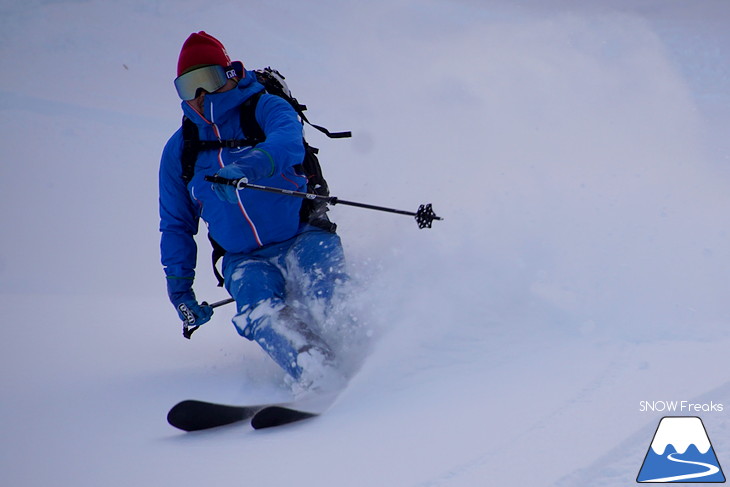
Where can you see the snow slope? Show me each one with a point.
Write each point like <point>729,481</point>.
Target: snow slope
<point>578,152</point>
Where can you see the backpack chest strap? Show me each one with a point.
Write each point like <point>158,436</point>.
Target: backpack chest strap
<point>201,145</point>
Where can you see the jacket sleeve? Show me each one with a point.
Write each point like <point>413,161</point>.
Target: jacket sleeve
<point>178,222</point>
<point>284,144</point>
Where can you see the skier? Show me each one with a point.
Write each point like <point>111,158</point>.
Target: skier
<point>282,272</point>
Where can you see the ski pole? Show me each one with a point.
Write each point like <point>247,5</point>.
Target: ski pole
<point>218,303</point>
<point>424,216</point>
<point>188,328</point>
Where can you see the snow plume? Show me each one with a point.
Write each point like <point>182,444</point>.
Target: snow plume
<point>565,154</point>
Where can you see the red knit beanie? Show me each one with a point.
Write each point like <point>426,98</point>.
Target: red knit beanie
<point>201,49</point>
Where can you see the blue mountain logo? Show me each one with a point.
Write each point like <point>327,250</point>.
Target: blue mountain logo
<point>680,452</point>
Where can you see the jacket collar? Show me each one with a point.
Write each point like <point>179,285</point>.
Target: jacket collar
<point>218,107</point>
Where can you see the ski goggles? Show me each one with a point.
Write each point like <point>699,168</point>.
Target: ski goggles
<point>209,78</point>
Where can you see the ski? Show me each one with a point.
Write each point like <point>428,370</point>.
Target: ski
<point>192,415</point>
<point>301,409</point>
<point>272,416</point>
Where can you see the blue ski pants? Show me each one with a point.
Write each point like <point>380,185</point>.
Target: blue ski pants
<point>307,267</point>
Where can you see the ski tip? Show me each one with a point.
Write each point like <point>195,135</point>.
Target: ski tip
<point>192,415</point>
<point>182,416</point>
<point>278,416</point>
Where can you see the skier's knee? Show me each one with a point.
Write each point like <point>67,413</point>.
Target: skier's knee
<point>251,317</point>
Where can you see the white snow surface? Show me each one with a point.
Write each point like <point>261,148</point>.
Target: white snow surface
<point>578,152</point>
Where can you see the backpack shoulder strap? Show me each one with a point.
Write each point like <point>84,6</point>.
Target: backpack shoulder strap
<point>190,149</point>
<point>250,127</point>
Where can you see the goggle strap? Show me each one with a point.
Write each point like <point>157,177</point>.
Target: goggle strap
<point>237,66</point>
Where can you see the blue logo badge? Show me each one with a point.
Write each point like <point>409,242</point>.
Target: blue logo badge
<point>680,452</point>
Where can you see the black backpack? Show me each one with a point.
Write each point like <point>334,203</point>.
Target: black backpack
<point>312,211</point>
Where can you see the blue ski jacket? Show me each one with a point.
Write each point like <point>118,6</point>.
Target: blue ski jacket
<point>260,218</point>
